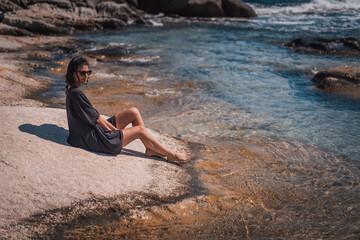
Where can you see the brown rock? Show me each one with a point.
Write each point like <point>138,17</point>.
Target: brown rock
<point>59,3</point>
<point>35,25</point>
<point>8,5</point>
<point>349,46</point>
<point>237,8</point>
<point>338,78</point>
<point>118,11</point>
<point>110,23</point>
<point>62,17</point>
<point>14,31</point>
<point>38,55</point>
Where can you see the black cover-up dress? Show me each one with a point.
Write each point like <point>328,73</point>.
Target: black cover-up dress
<point>84,131</point>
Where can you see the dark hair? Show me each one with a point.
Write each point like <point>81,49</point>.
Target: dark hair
<point>76,62</point>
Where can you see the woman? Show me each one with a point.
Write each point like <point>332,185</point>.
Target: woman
<point>91,131</point>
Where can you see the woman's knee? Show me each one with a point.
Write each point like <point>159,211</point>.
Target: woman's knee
<point>134,111</point>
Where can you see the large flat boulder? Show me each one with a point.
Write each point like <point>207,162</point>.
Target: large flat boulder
<point>47,184</point>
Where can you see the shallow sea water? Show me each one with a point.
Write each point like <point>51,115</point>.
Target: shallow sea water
<point>279,158</point>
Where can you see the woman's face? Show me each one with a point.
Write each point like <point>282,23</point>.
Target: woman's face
<point>82,74</point>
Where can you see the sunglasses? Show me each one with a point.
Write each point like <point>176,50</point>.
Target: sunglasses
<point>82,73</point>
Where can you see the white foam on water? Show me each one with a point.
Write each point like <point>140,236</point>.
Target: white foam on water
<point>314,7</point>
<point>118,44</point>
<point>139,59</point>
<point>157,92</point>
<point>155,23</point>
<point>152,79</point>
<point>286,22</point>
<point>108,75</point>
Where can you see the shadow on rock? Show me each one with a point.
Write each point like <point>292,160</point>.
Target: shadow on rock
<point>50,132</point>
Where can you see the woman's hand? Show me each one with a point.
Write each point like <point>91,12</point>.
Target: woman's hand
<point>105,124</point>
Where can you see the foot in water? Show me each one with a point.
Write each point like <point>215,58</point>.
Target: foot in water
<point>176,157</point>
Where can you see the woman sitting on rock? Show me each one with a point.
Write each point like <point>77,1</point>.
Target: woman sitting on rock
<point>91,131</point>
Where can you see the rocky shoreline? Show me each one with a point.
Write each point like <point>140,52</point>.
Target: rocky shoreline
<point>26,23</point>
<point>22,55</point>
<point>45,191</point>
<point>64,17</point>
<point>24,48</point>
<point>49,187</point>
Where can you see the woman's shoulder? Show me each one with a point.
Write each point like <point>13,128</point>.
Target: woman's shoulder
<point>75,91</point>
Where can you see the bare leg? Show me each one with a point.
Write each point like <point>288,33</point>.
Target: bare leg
<point>130,115</point>
<point>140,132</point>
<point>133,116</point>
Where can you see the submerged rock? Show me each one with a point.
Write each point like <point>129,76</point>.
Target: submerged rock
<point>338,46</point>
<point>108,52</point>
<point>338,78</point>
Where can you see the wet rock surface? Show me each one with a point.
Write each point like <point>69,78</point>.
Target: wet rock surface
<point>349,46</point>
<point>338,78</point>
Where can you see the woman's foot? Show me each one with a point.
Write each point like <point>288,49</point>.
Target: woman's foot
<point>179,158</point>
<point>151,153</point>
<point>175,157</point>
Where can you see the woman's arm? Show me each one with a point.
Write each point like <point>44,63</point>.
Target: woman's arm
<point>105,124</point>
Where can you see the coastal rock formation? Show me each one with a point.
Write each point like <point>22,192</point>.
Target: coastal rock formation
<point>338,46</point>
<point>59,17</point>
<point>198,8</point>
<point>48,185</point>
<point>338,78</point>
